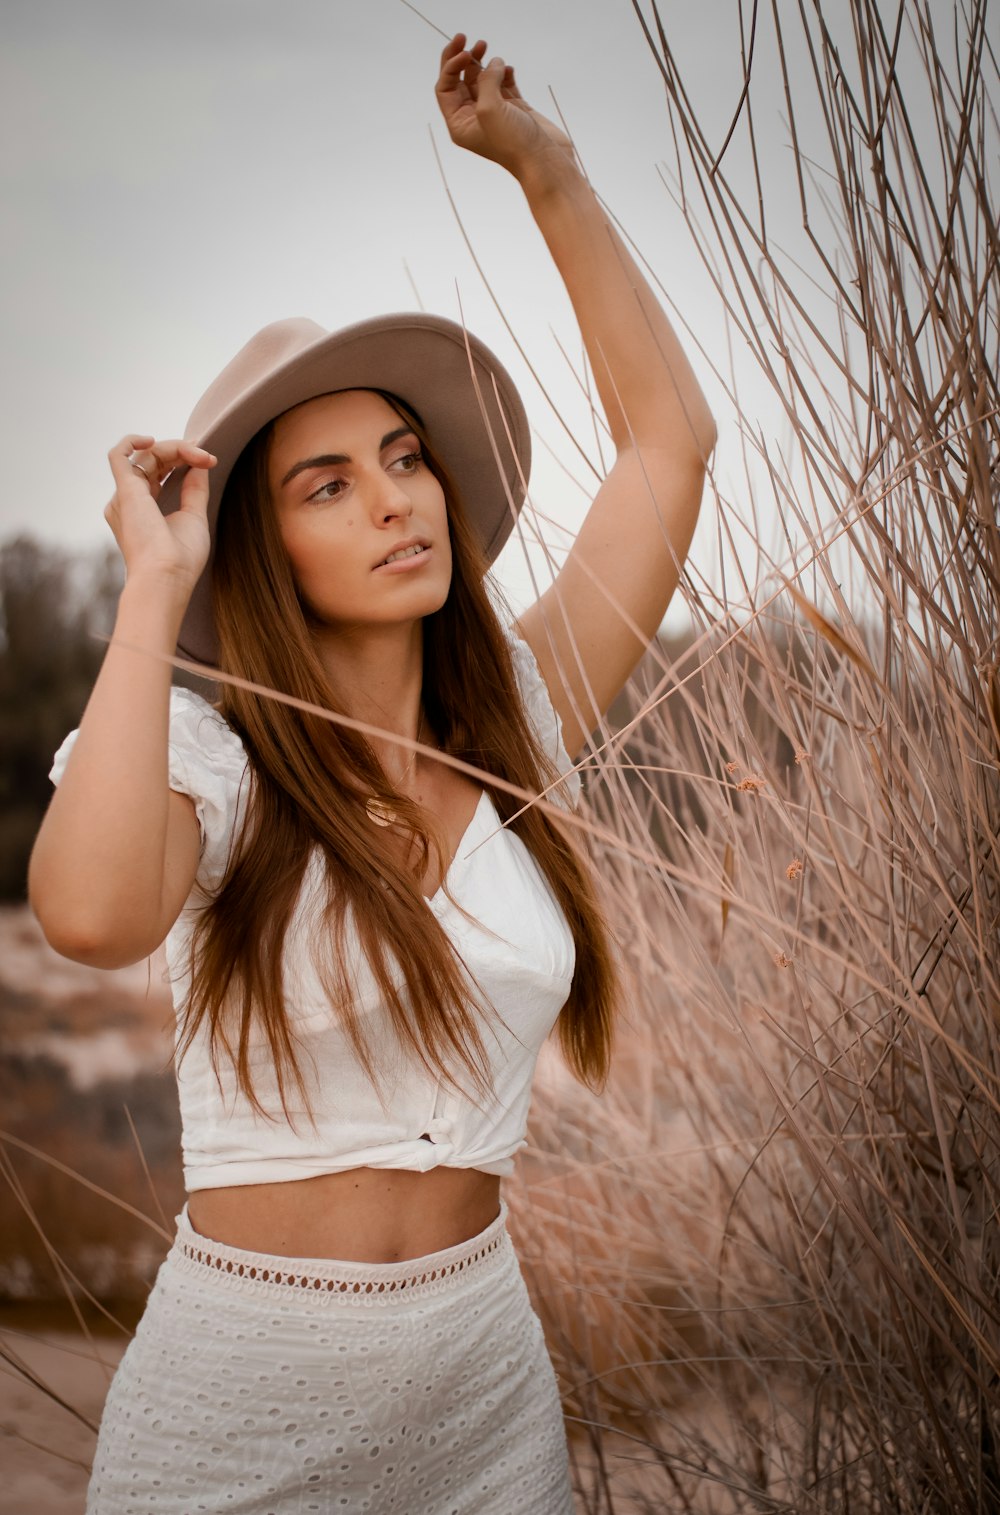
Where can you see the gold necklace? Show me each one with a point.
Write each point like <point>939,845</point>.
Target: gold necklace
<point>380,812</point>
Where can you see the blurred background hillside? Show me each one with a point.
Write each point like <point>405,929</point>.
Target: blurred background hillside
<point>87,1094</point>
<point>53,606</point>
<point>85,1056</point>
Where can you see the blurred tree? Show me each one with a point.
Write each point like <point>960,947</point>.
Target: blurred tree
<point>53,607</point>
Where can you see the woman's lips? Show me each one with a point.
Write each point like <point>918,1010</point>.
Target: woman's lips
<point>402,564</point>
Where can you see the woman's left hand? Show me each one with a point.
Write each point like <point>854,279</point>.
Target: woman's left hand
<point>485,113</point>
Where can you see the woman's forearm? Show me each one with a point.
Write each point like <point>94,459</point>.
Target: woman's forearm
<point>97,867</point>
<point>647,387</point>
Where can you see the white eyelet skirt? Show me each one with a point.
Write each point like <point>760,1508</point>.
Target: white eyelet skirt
<point>265,1385</point>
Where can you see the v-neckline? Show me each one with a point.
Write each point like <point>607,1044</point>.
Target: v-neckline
<point>431,898</point>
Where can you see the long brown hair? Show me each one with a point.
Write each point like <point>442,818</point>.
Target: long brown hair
<point>309,781</point>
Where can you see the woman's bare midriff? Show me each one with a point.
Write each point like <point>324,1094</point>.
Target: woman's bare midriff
<point>379,1215</point>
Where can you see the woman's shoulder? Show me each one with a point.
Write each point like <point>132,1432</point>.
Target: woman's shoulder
<point>199,735</point>
<point>207,761</point>
<point>198,725</point>
<point>542,714</point>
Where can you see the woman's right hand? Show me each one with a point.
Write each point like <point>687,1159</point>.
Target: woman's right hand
<point>175,547</point>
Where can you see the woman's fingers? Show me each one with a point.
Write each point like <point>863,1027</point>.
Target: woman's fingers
<point>197,458</point>
<point>141,457</point>
<point>195,483</point>
<point>474,67</point>
<point>140,464</point>
<point>484,109</point>
<point>491,80</point>
<point>176,544</point>
<point>471,74</point>
<point>453,54</point>
<point>452,62</point>
<point>134,469</point>
<point>460,69</point>
<point>118,456</point>
<point>449,50</point>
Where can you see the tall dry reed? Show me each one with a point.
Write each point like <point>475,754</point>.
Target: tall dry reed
<point>769,1257</point>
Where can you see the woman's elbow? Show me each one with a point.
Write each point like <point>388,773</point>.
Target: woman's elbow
<point>82,946</point>
<point>691,443</point>
<point>69,938</point>
<point>705,435</point>
<point>71,929</point>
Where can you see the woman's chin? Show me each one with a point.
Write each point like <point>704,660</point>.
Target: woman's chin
<point>415,606</point>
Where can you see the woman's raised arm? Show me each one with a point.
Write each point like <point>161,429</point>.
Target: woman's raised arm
<point>632,545</point>
<point>117,852</point>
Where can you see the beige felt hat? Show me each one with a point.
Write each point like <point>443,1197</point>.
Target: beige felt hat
<point>463,395</point>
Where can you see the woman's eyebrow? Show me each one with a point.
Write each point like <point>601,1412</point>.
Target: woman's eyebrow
<point>333,459</point>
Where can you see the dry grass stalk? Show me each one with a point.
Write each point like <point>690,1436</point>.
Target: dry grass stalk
<point>769,1257</point>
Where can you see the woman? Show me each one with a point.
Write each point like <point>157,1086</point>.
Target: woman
<point>365,959</point>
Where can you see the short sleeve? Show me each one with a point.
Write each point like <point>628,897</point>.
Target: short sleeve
<point>205,760</point>
<point>544,718</point>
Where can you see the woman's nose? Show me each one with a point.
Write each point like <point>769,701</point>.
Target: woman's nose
<point>391,500</point>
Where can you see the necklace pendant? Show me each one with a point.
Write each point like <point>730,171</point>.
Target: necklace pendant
<point>379,812</point>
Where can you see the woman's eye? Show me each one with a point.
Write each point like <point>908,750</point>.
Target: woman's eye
<point>321,493</point>
<point>412,460</point>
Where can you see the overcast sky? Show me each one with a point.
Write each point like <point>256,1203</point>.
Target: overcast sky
<point>177,174</point>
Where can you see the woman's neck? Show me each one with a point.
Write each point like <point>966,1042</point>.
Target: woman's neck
<point>376,675</point>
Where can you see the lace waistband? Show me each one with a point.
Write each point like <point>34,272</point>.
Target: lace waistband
<point>334,1278</point>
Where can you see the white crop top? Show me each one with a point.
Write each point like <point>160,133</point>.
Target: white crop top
<point>523,962</point>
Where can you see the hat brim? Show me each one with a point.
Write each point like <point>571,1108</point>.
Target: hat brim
<point>470,408</point>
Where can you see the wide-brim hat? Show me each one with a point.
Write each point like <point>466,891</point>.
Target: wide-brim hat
<point>460,391</point>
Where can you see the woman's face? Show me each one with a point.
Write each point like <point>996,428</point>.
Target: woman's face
<point>350,487</point>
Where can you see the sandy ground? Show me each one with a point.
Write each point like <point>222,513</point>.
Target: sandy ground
<point>45,1450</point>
